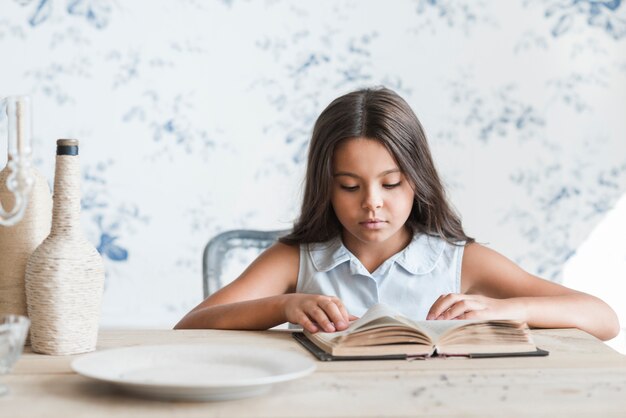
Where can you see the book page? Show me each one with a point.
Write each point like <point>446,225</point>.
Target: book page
<point>377,316</point>
<point>460,337</point>
<point>436,328</point>
<point>496,336</point>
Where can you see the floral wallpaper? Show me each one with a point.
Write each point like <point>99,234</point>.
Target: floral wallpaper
<point>194,118</point>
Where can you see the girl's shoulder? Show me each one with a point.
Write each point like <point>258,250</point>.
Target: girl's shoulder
<point>484,270</point>
<point>281,250</point>
<point>279,258</point>
<point>278,265</point>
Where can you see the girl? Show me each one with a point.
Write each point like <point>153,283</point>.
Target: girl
<point>375,226</point>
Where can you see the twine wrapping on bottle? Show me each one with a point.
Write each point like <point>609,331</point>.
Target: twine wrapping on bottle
<point>65,274</point>
<point>17,242</point>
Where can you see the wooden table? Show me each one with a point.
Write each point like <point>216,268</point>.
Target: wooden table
<point>581,377</point>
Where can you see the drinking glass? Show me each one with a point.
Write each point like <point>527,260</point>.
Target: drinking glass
<point>13,331</point>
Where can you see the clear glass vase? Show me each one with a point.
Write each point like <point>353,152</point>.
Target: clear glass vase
<point>19,181</point>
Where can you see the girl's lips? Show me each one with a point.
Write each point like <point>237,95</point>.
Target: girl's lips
<point>372,224</point>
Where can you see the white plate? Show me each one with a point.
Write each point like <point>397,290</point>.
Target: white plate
<point>194,371</point>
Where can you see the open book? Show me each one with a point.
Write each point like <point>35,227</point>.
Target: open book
<point>383,332</point>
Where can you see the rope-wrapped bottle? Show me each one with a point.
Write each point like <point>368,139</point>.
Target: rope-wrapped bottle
<point>65,274</point>
<point>18,241</point>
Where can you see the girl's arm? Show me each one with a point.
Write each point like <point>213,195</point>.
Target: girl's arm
<point>495,287</point>
<point>262,297</point>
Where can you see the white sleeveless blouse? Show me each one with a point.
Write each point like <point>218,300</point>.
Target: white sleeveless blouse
<point>409,281</point>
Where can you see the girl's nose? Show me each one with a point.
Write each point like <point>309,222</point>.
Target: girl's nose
<point>372,200</point>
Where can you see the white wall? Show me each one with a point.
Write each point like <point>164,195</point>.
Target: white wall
<point>194,117</point>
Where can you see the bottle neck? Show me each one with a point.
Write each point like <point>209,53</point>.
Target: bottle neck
<point>66,198</point>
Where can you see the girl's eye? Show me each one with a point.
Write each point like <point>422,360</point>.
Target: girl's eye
<point>349,188</point>
<point>391,186</point>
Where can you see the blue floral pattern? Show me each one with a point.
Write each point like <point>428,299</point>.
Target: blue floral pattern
<point>96,12</point>
<point>607,15</point>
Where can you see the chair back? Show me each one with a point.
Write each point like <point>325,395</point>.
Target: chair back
<point>217,248</point>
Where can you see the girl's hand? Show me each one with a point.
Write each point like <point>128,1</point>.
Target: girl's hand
<point>317,312</point>
<point>462,306</point>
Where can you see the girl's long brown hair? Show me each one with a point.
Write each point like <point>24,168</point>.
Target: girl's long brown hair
<point>382,115</point>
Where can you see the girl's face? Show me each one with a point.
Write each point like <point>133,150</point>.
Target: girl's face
<point>371,197</point>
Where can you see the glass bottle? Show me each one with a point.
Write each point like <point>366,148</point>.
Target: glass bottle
<point>65,274</point>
